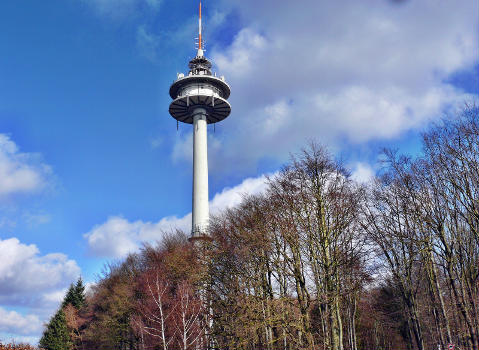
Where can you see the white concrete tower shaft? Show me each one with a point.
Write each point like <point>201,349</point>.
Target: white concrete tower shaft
<point>200,215</point>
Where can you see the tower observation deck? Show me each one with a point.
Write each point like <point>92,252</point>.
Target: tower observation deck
<point>200,98</point>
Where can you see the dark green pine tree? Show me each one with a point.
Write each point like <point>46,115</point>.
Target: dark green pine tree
<point>69,297</point>
<point>80,294</point>
<point>75,295</point>
<point>56,335</point>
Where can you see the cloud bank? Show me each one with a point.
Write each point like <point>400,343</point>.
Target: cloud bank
<point>337,71</point>
<point>27,277</point>
<point>117,236</point>
<point>13,322</point>
<point>37,283</point>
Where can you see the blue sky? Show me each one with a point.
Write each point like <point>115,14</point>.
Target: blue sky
<point>91,163</point>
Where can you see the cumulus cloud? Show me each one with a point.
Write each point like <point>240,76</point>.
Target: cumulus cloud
<point>36,283</point>
<point>13,322</point>
<point>20,173</point>
<point>54,298</point>
<point>362,172</point>
<point>118,236</point>
<point>232,196</point>
<point>25,275</point>
<point>335,71</point>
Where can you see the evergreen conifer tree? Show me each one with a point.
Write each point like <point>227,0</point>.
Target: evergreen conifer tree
<point>70,296</point>
<point>56,335</point>
<point>79,294</point>
<point>75,295</point>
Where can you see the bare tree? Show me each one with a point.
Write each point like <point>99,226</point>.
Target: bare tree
<point>157,308</point>
<point>393,230</point>
<point>449,173</point>
<point>189,312</point>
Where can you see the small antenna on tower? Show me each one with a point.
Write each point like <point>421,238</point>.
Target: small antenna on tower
<point>199,29</point>
<point>200,39</point>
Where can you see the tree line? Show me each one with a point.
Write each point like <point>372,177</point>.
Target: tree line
<point>318,261</point>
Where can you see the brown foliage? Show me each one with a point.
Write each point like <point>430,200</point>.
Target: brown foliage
<point>316,262</point>
<point>14,346</point>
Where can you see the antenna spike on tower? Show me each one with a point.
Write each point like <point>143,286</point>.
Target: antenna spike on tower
<point>199,31</point>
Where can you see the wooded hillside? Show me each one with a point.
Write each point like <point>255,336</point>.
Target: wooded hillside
<point>318,261</point>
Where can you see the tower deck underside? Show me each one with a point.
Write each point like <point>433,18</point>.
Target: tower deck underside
<point>217,108</point>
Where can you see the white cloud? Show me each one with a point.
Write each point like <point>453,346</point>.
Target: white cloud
<point>36,283</point>
<point>20,173</point>
<point>331,71</point>
<point>117,237</point>
<point>232,196</point>
<point>362,172</point>
<point>27,278</point>
<point>55,297</point>
<point>13,322</point>
<point>25,275</point>
<point>89,287</point>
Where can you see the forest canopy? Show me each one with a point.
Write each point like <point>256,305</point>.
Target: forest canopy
<point>318,261</point>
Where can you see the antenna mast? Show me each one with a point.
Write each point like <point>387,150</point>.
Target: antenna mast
<point>200,46</point>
